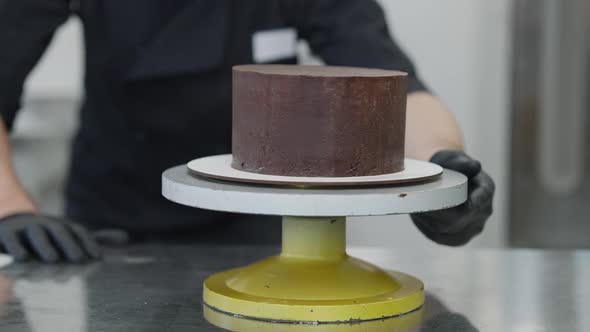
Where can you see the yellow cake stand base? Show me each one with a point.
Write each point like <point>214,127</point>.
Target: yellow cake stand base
<point>312,281</point>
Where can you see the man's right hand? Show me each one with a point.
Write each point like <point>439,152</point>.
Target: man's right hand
<point>49,239</point>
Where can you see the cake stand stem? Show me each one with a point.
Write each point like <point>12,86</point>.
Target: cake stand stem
<point>314,238</point>
<point>313,280</point>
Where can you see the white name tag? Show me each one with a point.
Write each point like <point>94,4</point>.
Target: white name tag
<point>272,45</point>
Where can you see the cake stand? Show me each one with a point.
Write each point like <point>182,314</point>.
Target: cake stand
<point>313,280</point>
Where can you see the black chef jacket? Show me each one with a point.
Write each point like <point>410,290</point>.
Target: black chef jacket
<point>158,90</point>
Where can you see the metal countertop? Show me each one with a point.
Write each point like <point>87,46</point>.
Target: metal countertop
<point>157,287</point>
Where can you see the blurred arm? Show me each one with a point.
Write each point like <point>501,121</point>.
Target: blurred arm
<point>13,198</point>
<point>430,127</point>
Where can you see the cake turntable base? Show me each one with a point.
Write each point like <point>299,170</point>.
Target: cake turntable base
<point>313,280</point>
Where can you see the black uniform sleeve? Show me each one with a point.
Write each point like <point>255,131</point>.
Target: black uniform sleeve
<point>26,28</point>
<point>350,33</point>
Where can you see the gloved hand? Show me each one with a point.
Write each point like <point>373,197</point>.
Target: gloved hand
<point>456,226</point>
<point>24,236</point>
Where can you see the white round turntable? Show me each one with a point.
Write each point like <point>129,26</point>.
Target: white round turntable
<point>313,280</point>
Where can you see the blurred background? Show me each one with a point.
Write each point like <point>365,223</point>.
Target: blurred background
<point>513,72</point>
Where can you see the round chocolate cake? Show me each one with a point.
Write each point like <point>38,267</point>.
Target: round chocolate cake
<point>318,120</point>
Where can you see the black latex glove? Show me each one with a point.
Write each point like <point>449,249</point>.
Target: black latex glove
<point>26,236</point>
<point>456,226</point>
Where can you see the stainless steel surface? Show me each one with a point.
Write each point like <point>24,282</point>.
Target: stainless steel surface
<point>550,143</point>
<point>563,88</point>
<point>158,288</point>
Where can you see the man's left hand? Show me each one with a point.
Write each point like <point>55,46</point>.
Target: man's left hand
<point>457,226</point>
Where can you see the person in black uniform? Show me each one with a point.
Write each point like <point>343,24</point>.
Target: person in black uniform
<point>158,93</point>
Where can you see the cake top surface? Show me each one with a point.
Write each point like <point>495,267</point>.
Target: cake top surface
<point>317,71</point>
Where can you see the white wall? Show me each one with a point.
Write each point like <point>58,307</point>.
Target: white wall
<point>461,48</point>
<point>59,73</point>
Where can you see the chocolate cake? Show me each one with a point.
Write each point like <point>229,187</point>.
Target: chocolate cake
<point>318,120</point>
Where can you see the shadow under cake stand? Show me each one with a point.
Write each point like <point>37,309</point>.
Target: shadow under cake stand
<point>313,280</point>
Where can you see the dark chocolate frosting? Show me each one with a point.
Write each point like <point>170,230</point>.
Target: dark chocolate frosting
<point>318,120</point>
